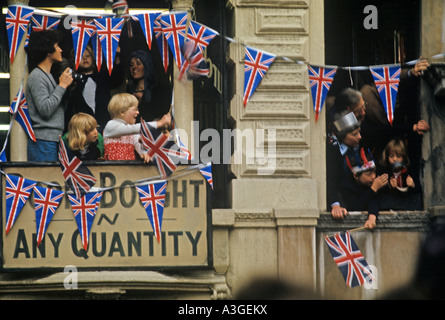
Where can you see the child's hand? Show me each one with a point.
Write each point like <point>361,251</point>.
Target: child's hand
<point>379,182</point>
<point>393,182</point>
<point>371,222</point>
<point>165,121</point>
<point>410,182</point>
<point>145,157</point>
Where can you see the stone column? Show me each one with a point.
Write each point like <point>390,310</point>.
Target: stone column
<point>18,139</point>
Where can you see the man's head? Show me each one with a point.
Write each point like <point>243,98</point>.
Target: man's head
<point>351,100</point>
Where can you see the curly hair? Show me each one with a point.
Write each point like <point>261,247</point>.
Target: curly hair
<point>41,43</point>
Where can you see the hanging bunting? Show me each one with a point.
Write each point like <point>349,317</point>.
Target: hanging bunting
<point>200,35</point>
<point>17,19</point>
<point>97,49</point>
<point>41,22</point>
<point>18,190</point>
<point>147,22</point>
<point>152,197</point>
<point>207,173</point>
<point>77,176</point>
<point>163,152</point>
<point>320,80</point>
<point>162,42</point>
<point>109,31</point>
<point>194,63</point>
<point>81,31</point>
<point>349,259</point>
<point>46,202</point>
<point>174,26</point>
<point>387,80</point>
<point>84,210</point>
<point>19,107</point>
<point>257,63</point>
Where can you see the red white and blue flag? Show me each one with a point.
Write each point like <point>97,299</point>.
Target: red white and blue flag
<point>174,26</point>
<point>17,19</point>
<point>162,42</point>
<point>109,31</point>
<point>152,197</point>
<point>46,202</point>
<point>97,49</point>
<point>162,151</point>
<point>84,210</point>
<point>320,80</point>
<point>206,171</point>
<point>20,109</point>
<point>200,35</point>
<point>349,259</point>
<point>40,22</point>
<point>18,190</point>
<point>194,63</point>
<point>81,31</point>
<point>76,174</point>
<point>387,80</point>
<point>147,22</point>
<point>256,64</point>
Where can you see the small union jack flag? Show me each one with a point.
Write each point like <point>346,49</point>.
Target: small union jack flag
<point>109,31</point>
<point>97,49</point>
<point>174,26</point>
<point>387,80</point>
<point>20,109</point>
<point>18,190</point>
<point>349,259</point>
<point>162,42</point>
<point>320,80</point>
<point>185,153</point>
<point>206,171</point>
<point>40,23</point>
<point>147,21</point>
<point>76,174</point>
<point>200,35</point>
<point>163,152</point>
<point>17,19</point>
<point>46,202</point>
<point>152,197</point>
<point>256,65</point>
<point>81,31</point>
<point>84,210</point>
<point>194,63</point>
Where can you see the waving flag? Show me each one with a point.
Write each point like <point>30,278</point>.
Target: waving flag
<point>18,190</point>
<point>320,80</point>
<point>386,80</point>
<point>194,63</point>
<point>207,173</point>
<point>147,21</point>
<point>173,27</point>
<point>162,42</point>
<point>40,22</point>
<point>20,109</point>
<point>152,197</point>
<point>163,152</point>
<point>17,19</point>
<point>256,65</point>
<point>81,31</point>
<point>46,202</point>
<point>200,35</point>
<point>76,174</point>
<point>185,153</point>
<point>84,210</point>
<point>349,259</point>
<point>109,31</point>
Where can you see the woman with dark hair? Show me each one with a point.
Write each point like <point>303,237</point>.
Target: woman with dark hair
<point>44,95</point>
<point>144,85</point>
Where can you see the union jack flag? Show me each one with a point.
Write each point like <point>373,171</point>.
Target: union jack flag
<point>386,80</point>
<point>20,109</point>
<point>185,153</point>
<point>206,171</point>
<point>97,49</point>
<point>194,63</point>
<point>76,174</point>
<point>46,202</point>
<point>81,31</point>
<point>320,79</point>
<point>84,210</point>
<point>200,35</point>
<point>17,19</point>
<point>147,20</point>
<point>256,65</point>
<point>174,26</point>
<point>163,152</point>
<point>162,42</point>
<point>152,197</point>
<point>349,259</point>
<point>109,31</point>
<point>40,23</point>
<point>18,190</point>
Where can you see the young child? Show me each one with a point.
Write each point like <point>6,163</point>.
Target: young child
<point>82,137</point>
<point>122,133</point>
<point>361,194</point>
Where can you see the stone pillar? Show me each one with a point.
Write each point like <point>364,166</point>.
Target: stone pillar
<point>183,90</point>
<point>18,139</point>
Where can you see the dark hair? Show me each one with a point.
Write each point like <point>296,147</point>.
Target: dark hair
<point>41,43</point>
<point>342,134</point>
<point>150,80</point>
<point>347,98</point>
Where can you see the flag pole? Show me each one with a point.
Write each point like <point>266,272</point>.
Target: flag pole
<point>352,230</point>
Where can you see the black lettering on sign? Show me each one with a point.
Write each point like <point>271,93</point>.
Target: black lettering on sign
<point>127,203</point>
<point>21,245</point>
<point>105,202</point>
<point>182,194</point>
<point>196,184</point>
